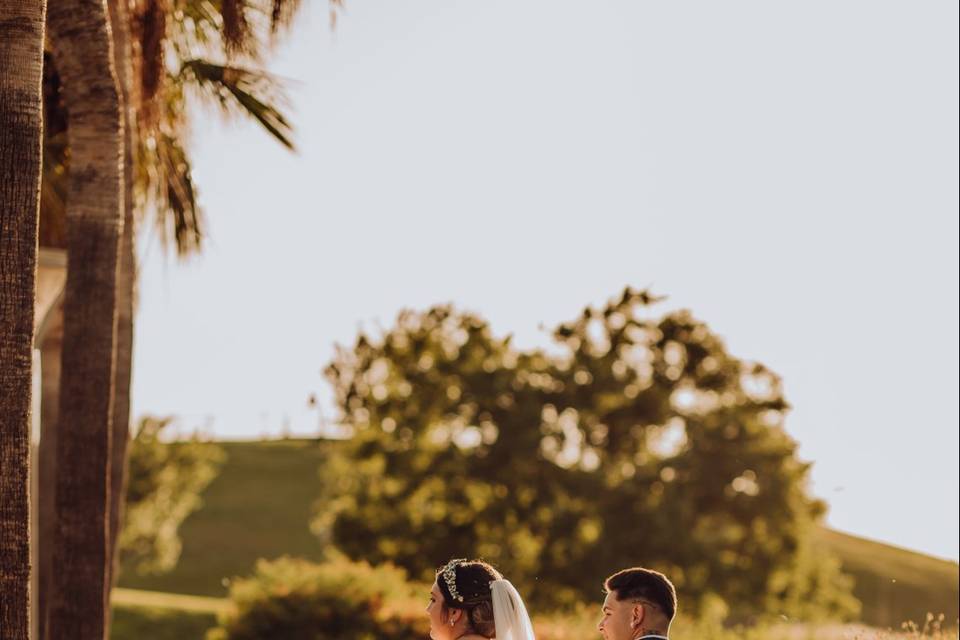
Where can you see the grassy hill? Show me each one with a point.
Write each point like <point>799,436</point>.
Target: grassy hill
<point>260,506</point>
<point>895,584</point>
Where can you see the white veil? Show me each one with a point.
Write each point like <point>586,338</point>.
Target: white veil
<point>509,613</point>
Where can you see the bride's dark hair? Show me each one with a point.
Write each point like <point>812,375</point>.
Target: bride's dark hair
<point>472,583</point>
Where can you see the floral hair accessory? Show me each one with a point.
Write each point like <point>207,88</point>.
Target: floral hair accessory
<point>449,574</point>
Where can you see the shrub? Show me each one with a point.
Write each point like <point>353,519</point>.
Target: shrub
<point>342,600</point>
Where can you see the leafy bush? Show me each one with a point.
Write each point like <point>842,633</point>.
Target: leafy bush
<point>295,598</point>
<point>165,480</point>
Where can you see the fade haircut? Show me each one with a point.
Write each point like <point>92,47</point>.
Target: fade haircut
<point>638,583</point>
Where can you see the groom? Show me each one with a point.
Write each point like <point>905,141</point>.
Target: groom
<point>640,603</point>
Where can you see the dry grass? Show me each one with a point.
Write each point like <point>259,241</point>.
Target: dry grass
<point>583,625</point>
<point>184,617</point>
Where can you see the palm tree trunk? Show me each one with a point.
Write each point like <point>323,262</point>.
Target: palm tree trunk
<point>50,350</point>
<point>80,34</point>
<point>21,58</point>
<point>126,279</point>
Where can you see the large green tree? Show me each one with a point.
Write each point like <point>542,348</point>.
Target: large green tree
<point>634,439</point>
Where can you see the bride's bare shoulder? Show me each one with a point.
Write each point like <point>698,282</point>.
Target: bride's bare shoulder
<point>473,636</point>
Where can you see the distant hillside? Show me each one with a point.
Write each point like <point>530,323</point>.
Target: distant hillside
<point>896,584</point>
<point>261,504</point>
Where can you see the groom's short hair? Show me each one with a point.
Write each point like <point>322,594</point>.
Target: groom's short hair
<point>638,583</point>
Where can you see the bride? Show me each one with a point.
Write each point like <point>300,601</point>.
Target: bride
<point>470,600</point>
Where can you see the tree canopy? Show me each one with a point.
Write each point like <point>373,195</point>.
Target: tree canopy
<point>635,439</point>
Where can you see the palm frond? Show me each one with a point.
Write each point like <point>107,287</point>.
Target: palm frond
<point>282,14</point>
<point>251,92</point>
<point>150,31</point>
<point>236,28</point>
<point>187,217</point>
<point>165,185</point>
<point>199,32</point>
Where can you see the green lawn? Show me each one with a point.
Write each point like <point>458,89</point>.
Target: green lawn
<point>261,504</point>
<point>133,598</point>
<point>143,623</point>
<point>162,616</point>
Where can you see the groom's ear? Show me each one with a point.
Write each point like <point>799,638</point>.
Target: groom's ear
<point>639,611</point>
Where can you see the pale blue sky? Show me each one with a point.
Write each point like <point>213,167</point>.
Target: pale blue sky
<point>788,171</point>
